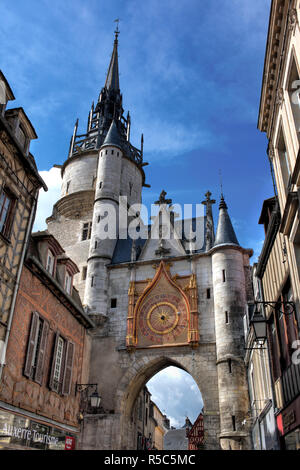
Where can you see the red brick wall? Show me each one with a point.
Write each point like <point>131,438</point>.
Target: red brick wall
<point>16,389</point>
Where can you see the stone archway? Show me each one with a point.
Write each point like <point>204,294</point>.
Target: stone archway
<point>143,370</point>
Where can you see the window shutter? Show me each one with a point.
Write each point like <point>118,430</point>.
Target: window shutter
<point>68,369</point>
<point>51,381</point>
<point>41,354</point>
<point>31,345</point>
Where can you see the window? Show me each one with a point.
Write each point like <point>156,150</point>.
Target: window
<point>68,282</point>
<point>229,366</point>
<point>275,350</point>
<point>36,349</point>
<point>68,186</point>
<point>112,152</point>
<point>86,231</point>
<point>22,138</point>
<point>7,206</point>
<point>113,303</point>
<point>50,262</point>
<point>58,362</point>
<point>208,293</point>
<point>284,161</point>
<point>140,409</point>
<point>224,275</point>
<point>294,95</point>
<point>84,271</point>
<point>62,364</point>
<point>233,423</point>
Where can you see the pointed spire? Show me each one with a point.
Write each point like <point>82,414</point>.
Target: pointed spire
<point>209,225</point>
<point>73,137</point>
<point>112,78</point>
<point>113,136</point>
<point>225,232</point>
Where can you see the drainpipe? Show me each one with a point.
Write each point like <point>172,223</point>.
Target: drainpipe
<point>13,303</point>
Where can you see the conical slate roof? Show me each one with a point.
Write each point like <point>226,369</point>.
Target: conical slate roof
<point>113,136</point>
<point>112,78</point>
<point>225,232</point>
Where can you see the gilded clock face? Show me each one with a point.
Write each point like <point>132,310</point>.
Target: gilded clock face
<point>162,319</point>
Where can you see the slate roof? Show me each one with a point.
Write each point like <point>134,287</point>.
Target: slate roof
<point>112,78</point>
<point>113,136</point>
<point>225,232</point>
<point>122,253</point>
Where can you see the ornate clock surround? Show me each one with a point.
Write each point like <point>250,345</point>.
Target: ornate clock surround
<point>163,311</point>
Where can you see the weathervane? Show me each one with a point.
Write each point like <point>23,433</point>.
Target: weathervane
<point>221,182</point>
<point>117,31</point>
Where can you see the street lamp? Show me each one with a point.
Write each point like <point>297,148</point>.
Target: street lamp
<point>259,325</point>
<point>93,401</point>
<point>258,321</point>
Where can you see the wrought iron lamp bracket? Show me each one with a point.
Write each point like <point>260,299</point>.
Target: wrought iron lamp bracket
<point>286,307</point>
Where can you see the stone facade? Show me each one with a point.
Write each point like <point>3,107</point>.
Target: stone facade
<point>186,326</point>
<point>278,268</point>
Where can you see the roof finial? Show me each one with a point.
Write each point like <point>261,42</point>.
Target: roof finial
<point>117,31</point>
<point>221,183</point>
<point>222,202</point>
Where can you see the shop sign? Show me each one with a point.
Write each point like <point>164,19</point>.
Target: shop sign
<point>28,434</point>
<point>288,419</point>
<point>21,431</point>
<point>70,443</point>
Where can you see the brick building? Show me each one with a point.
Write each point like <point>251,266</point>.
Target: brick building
<point>20,183</point>
<point>46,351</point>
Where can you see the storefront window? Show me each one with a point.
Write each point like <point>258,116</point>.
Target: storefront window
<point>17,432</point>
<point>292,440</point>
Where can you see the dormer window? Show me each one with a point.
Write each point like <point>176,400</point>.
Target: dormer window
<point>68,282</point>
<point>50,262</point>
<point>22,138</point>
<point>21,127</point>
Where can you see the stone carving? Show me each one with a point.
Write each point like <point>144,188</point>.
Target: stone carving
<point>280,96</point>
<point>292,20</point>
<point>209,233</point>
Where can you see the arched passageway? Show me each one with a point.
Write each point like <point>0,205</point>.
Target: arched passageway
<point>145,369</point>
<point>166,410</point>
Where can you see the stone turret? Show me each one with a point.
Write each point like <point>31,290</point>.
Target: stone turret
<point>229,304</point>
<point>106,210</point>
<point>103,156</point>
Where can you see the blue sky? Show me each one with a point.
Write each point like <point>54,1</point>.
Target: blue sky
<point>190,74</point>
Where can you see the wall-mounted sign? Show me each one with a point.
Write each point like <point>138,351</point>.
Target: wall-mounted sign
<point>288,419</point>
<point>70,443</point>
<point>20,431</point>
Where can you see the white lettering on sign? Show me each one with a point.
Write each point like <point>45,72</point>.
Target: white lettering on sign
<point>23,433</point>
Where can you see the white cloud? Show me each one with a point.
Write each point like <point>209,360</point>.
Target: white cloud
<point>47,199</point>
<point>176,394</point>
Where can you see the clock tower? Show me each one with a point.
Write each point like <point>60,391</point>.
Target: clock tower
<point>173,299</point>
